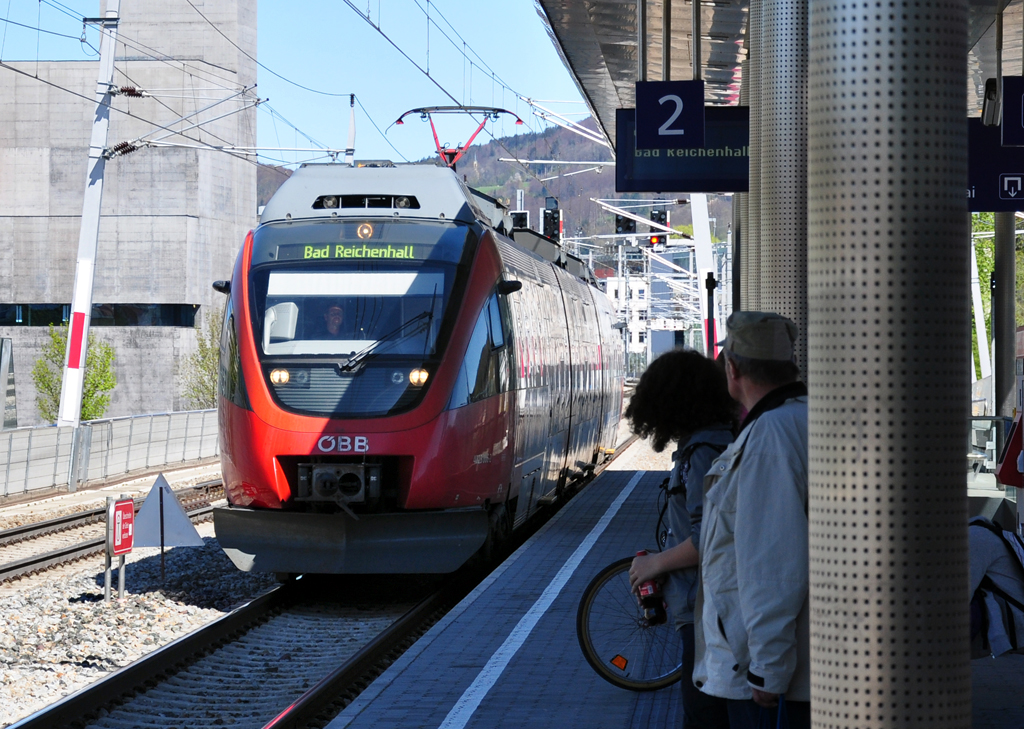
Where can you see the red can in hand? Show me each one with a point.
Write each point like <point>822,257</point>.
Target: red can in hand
<point>651,601</point>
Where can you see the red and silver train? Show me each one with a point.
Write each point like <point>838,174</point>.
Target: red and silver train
<point>403,379</point>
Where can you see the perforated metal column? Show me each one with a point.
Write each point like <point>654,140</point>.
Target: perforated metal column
<point>783,133</point>
<point>738,214</point>
<point>888,268</point>
<point>1004,313</point>
<point>752,289</point>
<point>741,201</point>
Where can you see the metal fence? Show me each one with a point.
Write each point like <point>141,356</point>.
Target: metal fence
<point>39,458</point>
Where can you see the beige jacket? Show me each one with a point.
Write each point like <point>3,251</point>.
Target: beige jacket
<point>754,562</point>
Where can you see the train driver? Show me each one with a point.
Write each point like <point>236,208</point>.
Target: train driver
<point>334,315</point>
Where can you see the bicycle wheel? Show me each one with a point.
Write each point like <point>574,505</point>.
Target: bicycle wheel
<point>618,642</point>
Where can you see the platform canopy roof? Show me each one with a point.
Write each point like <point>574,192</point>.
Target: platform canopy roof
<point>598,43</point>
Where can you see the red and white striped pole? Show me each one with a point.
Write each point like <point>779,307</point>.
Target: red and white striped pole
<point>70,410</point>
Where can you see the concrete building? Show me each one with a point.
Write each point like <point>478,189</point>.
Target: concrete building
<point>173,218</point>
<point>630,296</point>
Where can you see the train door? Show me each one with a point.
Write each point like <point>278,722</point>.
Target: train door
<point>584,340</point>
<point>559,354</point>
<point>532,398</point>
<point>612,372</point>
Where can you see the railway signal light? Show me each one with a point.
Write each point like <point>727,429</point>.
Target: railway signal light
<point>659,216</point>
<point>521,219</point>
<point>553,223</point>
<point>624,225</point>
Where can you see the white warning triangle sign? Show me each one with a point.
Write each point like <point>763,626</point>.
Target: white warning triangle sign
<point>161,522</point>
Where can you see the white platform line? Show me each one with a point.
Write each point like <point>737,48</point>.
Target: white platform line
<point>467,704</point>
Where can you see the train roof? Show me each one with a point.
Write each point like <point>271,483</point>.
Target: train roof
<point>401,191</point>
<point>412,191</point>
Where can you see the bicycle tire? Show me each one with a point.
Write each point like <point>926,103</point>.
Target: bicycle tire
<point>616,640</point>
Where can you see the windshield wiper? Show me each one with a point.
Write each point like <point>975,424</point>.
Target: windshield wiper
<point>393,337</point>
<point>433,301</point>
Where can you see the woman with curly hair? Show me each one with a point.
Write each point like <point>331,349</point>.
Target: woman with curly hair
<point>683,397</point>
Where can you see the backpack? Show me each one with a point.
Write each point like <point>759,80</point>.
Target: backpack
<point>660,534</point>
<point>979,612</point>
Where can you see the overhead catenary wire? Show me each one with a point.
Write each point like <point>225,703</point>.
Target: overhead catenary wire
<point>155,54</point>
<point>383,136</point>
<point>253,58</point>
<point>291,82</point>
<point>128,114</point>
<point>130,145</point>
<point>148,51</point>
<point>192,71</point>
<point>465,44</point>
<point>434,81</point>
<point>37,29</point>
<point>204,73</point>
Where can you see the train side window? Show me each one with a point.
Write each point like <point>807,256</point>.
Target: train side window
<point>230,382</point>
<point>497,333</point>
<point>476,376</point>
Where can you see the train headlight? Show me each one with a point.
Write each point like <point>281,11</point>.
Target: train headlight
<point>418,377</point>
<point>397,378</point>
<point>364,231</point>
<point>330,201</point>
<point>280,377</point>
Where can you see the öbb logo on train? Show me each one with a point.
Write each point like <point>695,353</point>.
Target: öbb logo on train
<point>343,444</point>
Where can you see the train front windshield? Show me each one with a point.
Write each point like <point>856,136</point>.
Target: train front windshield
<point>349,316</point>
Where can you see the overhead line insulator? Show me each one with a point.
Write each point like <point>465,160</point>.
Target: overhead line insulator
<point>130,91</point>
<point>120,150</point>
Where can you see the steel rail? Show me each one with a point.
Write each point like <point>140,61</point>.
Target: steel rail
<point>370,661</point>
<point>40,562</point>
<point>50,526</point>
<point>89,700</point>
<point>81,518</point>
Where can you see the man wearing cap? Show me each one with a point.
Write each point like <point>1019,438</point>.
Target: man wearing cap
<point>754,604</point>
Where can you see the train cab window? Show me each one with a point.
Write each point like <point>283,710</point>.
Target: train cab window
<point>340,312</point>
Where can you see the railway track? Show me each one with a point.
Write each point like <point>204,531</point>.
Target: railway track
<point>294,657</point>
<point>304,645</point>
<point>34,548</point>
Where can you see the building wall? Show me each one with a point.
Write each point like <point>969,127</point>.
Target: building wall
<point>639,302</point>
<point>172,219</point>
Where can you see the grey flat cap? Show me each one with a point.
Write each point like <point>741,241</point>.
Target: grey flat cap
<point>760,335</point>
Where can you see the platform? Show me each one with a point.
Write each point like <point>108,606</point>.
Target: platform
<point>507,655</point>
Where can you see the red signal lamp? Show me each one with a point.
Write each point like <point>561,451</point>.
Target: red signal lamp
<point>657,240</point>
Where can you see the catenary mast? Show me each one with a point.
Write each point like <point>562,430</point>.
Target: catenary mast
<point>73,380</point>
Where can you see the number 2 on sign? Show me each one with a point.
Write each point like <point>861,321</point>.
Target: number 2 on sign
<point>664,130</point>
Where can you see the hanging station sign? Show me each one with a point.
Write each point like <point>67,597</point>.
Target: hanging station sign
<point>1012,123</point>
<point>995,174</point>
<point>669,114</point>
<point>721,165</point>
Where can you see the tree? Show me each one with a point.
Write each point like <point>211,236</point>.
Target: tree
<point>49,369</point>
<point>199,375</point>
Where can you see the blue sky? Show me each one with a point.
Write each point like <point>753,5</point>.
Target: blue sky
<point>482,53</point>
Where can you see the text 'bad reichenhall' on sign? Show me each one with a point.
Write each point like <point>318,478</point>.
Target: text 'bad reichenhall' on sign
<point>331,250</point>
<point>713,152</point>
